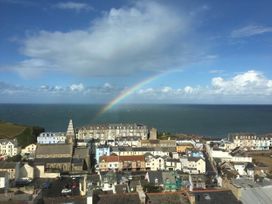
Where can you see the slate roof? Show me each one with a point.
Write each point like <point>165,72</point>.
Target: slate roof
<point>208,197</point>
<point>250,165</point>
<point>161,198</point>
<point>77,162</point>
<point>81,152</point>
<point>130,198</point>
<point>121,188</point>
<point>125,148</point>
<point>155,175</point>
<point>168,175</point>
<point>6,141</point>
<point>94,178</point>
<point>53,149</point>
<point>195,159</point>
<point>257,195</point>
<point>3,173</point>
<point>7,165</point>
<point>51,160</point>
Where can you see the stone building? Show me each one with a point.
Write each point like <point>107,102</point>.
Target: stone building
<point>29,149</point>
<point>54,157</point>
<point>59,158</point>
<point>153,134</point>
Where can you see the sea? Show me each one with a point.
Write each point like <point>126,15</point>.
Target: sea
<point>215,121</point>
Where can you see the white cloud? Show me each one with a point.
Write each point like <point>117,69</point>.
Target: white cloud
<point>107,86</point>
<point>77,87</point>
<point>247,87</point>
<point>248,83</point>
<point>77,6</point>
<point>32,68</point>
<point>188,90</point>
<point>148,91</point>
<point>166,89</point>
<point>250,30</point>
<point>9,89</point>
<point>147,36</point>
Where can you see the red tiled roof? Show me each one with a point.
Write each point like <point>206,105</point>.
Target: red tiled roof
<point>114,158</point>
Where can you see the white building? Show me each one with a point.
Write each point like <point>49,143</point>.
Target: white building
<point>156,151</point>
<point>112,131</point>
<point>4,180</point>
<point>226,156</point>
<point>193,165</point>
<point>173,164</point>
<point>29,149</point>
<point>9,148</point>
<point>58,137</point>
<point>154,163</point>
<point>251,141</point>
<point>51,138</point>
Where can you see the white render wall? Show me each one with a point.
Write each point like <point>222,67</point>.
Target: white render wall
<point>51,138</point>
<point>7,148</point>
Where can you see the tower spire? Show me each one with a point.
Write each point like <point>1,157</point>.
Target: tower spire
<point>70,133</point>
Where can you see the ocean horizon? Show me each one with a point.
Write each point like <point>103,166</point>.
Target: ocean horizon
<point>200,119</point>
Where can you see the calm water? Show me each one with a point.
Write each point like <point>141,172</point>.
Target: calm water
<point>207,120</point>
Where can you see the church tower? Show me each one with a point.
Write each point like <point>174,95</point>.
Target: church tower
<point>70,134</point>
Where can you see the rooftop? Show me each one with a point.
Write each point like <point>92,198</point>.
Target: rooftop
<point>171,198</point>
<point>131,198</point>
<point>250,183</point>
<point>215,196</point>
<point>7,165</point>
<point>114,158</point>
<point>53,149</point>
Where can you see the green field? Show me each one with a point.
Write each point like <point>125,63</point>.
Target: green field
<point>10,130</point>
<point>25,134</point>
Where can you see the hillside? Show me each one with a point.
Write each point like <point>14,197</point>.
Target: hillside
<point>10,130</point>
<point>25,134</point>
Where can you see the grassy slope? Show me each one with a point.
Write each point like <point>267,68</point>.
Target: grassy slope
<point>10,130</point>
<point>24,134</point>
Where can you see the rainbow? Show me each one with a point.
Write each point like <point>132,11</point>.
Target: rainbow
<point>128,92</point>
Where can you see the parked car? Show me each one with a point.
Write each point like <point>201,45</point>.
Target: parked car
<point>66,191</point>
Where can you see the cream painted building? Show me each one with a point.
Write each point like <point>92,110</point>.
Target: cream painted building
<point>26,171</point>
<point>193,165</point>
<point>173,164</point>
<point>156,151</point>
<point>9,147</point>
<point>29,149</point>
<point>158,143</point>
<point>251,141</point>
<point>154,163</point>
<point>122,163</point>
<point>112,131</point>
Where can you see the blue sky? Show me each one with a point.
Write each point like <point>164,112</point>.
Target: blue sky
<point>92,51</point>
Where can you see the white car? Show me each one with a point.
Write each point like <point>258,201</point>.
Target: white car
<point>66,190</point>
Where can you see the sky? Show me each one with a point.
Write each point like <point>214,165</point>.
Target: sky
<point>128,51</point>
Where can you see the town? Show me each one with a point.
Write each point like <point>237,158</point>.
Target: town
<point>131,163</point>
